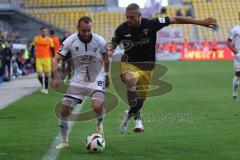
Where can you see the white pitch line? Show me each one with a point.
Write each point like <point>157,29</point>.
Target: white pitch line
<point>53,153</point>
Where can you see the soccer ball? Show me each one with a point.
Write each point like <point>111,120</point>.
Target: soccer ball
<point>95,143</point>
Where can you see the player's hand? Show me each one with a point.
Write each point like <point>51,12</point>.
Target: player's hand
<point>210,23</point>
<point>110,48</point>
<point>237,57</point>
<point>54,83</point>
<point>107,81</point>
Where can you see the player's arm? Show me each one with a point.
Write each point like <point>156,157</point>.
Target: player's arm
<point>230,43</point>
<point>208,22</point>
<point>105,58</point>
<point>55,73</point>
<point>111,46</point>
<point>62,52</point>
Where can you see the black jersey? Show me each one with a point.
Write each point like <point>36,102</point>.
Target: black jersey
<point>139,43</point>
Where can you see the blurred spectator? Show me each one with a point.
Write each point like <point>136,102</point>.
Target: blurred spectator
<point>189,12</point>
<point>1,69</point>
<point>179,12</point>
<point>163,10</point>
<point>65,36</point>
<point>166,47</point>
<point>13,64</point>
<point>173,47</point>
<point>6,53</point>
<point>56,41</point>
<point>186,45</point>
<point>205,45</point>
<point>214,46</point>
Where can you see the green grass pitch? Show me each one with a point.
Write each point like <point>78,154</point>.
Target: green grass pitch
<point>209,128</point>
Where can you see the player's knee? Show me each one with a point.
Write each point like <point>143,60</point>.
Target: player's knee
<point>130,81</point>
<point>65,111</point>
<point>237,74</point>
<point>97,106</point>
<point>39,74</point>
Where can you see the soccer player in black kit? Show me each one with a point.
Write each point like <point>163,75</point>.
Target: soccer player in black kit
<point>138,36</point>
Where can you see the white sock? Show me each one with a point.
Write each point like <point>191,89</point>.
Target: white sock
<point>100,117</point>
<point>64,130</point>
<point>235,84</point>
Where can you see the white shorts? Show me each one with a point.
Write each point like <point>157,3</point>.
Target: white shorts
<point>237,63</point>
<point>94,90</point>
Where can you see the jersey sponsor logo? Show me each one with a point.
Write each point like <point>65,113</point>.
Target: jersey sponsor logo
<point>128,44</point>
<point>128,35</point>
<point>161,20</point>
<point>142,42</point>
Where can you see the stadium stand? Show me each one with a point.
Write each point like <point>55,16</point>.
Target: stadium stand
<point>226,12</point>
<point>104,22</point>
<point>61,3</point>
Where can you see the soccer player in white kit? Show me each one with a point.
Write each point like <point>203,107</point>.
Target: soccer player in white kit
<point>233,43</point>
<point>91,63</point>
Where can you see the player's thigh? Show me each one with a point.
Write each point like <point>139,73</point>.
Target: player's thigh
<point>144,84</point>
<point>47,65</point>
<point>130,74</point>
<point>39,65</point>
<point>97,105</point>
<point>77,92</point>
<point>97,93</point>
<point>68,103</point>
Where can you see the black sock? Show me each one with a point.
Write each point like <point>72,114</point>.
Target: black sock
<point>40,78</point>
<point>137,116</point>
<point>46,82</point>
<point>139,106</point>
<point>132,101</point>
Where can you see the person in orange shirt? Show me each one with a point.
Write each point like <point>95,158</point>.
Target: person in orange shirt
<point>174,47</point>
<point>205,45</point>
<point>214,45</point>
<point>56,41</point>
<point>166,47</point>
<point>185,45</point>
<point>44,50</point>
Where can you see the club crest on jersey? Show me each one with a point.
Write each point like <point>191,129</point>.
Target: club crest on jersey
<point>94,49</point>
<point>145,31</point>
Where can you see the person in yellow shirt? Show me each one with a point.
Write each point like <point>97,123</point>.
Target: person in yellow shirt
<point>44,51</point>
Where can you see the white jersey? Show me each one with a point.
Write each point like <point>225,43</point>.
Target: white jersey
<point>86,58</point>
<point>235,36</point>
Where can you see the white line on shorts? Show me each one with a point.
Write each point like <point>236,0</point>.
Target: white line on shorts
<point>53,153</point>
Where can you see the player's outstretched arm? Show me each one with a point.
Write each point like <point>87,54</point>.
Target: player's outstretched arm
<point>105,58</point>
<point>55,75</point>
<point>208,22</point>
